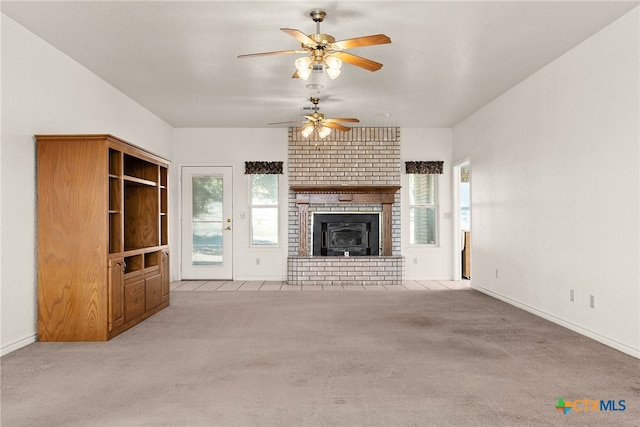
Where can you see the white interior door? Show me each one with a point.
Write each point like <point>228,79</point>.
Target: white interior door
<point>206,228</point>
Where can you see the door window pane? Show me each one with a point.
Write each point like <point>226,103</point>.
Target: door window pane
<point>207,243</point>
<point>207,198</point>
<point>206,222</point>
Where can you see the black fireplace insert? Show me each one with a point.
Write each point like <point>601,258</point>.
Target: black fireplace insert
<point>352,234</point>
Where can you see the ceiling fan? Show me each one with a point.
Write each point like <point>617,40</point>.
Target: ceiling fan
<point>325,51</point>
<point>318,122</point>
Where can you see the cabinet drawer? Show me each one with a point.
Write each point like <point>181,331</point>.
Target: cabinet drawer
<point>134,300</point>
<point>153,291</point>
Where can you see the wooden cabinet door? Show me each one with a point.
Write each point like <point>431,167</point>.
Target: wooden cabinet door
<point>164,271</point>
<point>153,292</point>
<point>116,293</point>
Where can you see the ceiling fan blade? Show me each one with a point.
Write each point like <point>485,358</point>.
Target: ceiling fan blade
<point>300,36</point>
<point>362,41</point>
<point>358,61</point>
<point>286,123</point>
<point>335,120</point>
<point>311,118</point>
<point>277,52</point>
<point>335,126</point>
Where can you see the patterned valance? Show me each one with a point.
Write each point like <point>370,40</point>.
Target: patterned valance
<point>465,175</point>
<point>254,168</point>
<point>425,167</point>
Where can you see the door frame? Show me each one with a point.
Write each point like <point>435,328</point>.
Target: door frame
<point>180,219</point>
<point>457,240</point>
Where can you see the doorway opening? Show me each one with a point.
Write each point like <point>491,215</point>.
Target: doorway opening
<point>462,222</point>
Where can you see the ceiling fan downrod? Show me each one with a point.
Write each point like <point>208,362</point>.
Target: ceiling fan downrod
<point>318,17</point>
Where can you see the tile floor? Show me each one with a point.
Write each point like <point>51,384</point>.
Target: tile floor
<point>257,285</point>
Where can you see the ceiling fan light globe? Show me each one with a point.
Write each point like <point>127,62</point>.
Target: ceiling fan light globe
<point>333,73</point>
<point>306,131</point>
<point>303,63</point>
<point>333,62</point>
<point>304,74</point>
<point>324,132</point>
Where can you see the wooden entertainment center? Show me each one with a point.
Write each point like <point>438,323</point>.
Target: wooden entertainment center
<point>103,247</point>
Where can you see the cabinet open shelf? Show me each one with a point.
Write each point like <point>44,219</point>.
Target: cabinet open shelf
<point>115,162</point>
<point>140,181</point>
<point>143,262</point>
<point>136,167</point>
<point>141,215</point>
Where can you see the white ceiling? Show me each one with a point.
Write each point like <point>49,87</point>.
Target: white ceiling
<point>179,59</point>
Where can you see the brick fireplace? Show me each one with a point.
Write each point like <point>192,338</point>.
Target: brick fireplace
<point>348,172</point>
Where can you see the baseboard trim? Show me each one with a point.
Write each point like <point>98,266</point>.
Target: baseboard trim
<point>264,278</point>
<point>572,326</point>
<point>18,344</point>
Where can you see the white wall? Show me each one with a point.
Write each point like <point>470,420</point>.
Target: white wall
<point>232,147</point>
<point>555,185</point>
<point>215,147</point>
<point>46,92</point>
<point>421,261</point>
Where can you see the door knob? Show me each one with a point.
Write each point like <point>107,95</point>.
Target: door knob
<point>228,219</point>
<point>228,228</point>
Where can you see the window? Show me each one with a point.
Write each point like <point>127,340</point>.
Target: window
<point>423,209</point>
<point>264,209</point>
<point>465,206</point>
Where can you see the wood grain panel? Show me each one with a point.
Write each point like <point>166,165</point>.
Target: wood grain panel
<point>153,292</point>
<point>133,299</point>
<point>140,216</point>
<point>71,270</point>
<point>116,294</point>
<point>164,271</point>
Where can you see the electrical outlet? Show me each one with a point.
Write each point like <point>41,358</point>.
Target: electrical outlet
<point>257,261</point>
<point>571,295</point>
<point>592,301</point>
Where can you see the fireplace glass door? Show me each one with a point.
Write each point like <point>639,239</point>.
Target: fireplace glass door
<point>346,234</point>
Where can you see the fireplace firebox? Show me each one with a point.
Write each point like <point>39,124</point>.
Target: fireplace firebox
<point>351,234</point>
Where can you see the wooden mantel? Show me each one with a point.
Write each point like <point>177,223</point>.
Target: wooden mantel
<point>361,194</point>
